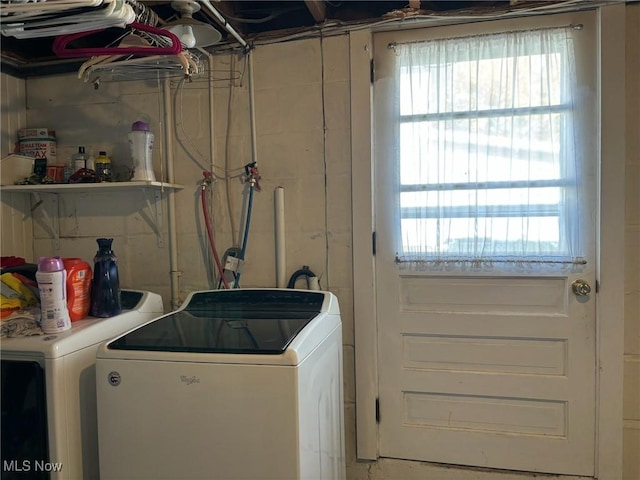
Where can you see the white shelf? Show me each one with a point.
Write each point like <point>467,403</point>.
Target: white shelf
<point>152,192</point>
<point>89,187</point>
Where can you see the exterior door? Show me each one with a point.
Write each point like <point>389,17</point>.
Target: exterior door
<point>486,366</point>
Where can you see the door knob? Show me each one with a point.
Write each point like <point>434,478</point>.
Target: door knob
<point>581,288</point>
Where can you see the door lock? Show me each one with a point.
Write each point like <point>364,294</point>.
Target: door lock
<point>581,288</point>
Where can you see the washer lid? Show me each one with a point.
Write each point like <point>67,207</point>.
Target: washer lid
<point>228,321</point>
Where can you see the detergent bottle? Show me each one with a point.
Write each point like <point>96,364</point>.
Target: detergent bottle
<point>78,287</point>
<point>51,277</point>
<point>105,289</point>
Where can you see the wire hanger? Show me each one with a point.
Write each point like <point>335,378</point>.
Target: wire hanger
<point>116,69</point>
<point>143,13</point>
<point>61,42</point>
<point>61,18</point>
<point>22,10</point>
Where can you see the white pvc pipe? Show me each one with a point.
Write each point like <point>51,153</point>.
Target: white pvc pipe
<point>171,208</point>
<point>281,263</point>
<point>212,142</point>
<point>252,109</point>
<point>212,146</point>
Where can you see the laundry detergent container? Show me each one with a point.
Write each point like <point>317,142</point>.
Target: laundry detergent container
<point>241,384</point>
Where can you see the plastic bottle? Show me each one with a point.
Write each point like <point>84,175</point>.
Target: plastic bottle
<point>79,160</point>
<point>141,143</point>
<point>103,167</point>
<point>105,289</point>
<point>78,287</point>
<point>91,162</point>
<point>68,170</point>
<point>51,277</point>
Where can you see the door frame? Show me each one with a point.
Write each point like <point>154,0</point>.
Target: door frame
<point>609,231</point>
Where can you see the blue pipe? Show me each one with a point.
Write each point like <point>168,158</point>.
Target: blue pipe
<point>246,232</point>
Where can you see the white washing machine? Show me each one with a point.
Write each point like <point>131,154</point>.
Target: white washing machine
<point>241,384</point>
<point>49,424</point>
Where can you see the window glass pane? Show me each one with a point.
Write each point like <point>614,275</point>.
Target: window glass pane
<point>486,84</point>
<point>481,150</point>
<point>486,147</point>
<point>508,236</point>
<point>470,198</point>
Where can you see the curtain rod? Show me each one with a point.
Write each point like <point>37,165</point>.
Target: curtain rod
<point>571,26</point>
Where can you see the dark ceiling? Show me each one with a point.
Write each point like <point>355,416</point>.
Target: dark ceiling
<point>253,20</point>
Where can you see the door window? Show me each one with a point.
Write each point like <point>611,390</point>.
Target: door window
<point>487,152</point>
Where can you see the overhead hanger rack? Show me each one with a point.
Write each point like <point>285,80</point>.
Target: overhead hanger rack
<point>88,29</point>
<point>183,65</point>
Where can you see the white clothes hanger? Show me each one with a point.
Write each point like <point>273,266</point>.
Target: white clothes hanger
<point>36,8</point>
<point>24,12</point>
<point>109,14</point>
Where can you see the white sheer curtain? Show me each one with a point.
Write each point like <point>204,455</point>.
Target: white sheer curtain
<point>488,164</point>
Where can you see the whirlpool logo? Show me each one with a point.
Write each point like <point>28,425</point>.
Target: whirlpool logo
<point>189,380</point>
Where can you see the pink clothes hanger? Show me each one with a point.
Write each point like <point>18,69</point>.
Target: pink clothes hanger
<point>61,50</point>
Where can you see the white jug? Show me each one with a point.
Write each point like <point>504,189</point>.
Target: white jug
<point>141,142</point>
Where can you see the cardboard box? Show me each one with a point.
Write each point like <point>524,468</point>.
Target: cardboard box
<point>38,148</point>
<point>56,172</point>
<point>25,133</point>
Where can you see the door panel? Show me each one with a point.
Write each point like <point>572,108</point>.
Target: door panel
<point>486,367</point>
<point>500,372</point>
<point>455,294</point>
<point>485,354</point>
<point>503,373</point>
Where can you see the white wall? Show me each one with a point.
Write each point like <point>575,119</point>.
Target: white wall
<point>632,250</point>
<point>13,115</point>
<point>303,144</point>
<point>16,225</point>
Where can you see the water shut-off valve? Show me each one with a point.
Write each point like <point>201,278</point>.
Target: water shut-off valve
<point>207,179</point>
<point>252,175</point>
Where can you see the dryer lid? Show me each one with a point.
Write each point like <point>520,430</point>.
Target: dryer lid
<point>228,321</point>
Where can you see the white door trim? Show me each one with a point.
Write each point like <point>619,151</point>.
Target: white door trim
<point>610,312</point>
<point>364,295</point>
<point>610,305</point>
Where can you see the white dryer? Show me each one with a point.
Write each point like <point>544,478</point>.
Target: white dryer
<point>241,384</point>
<point>49,424</point>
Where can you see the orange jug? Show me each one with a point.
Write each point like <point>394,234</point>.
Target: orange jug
<point>78,287</point>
